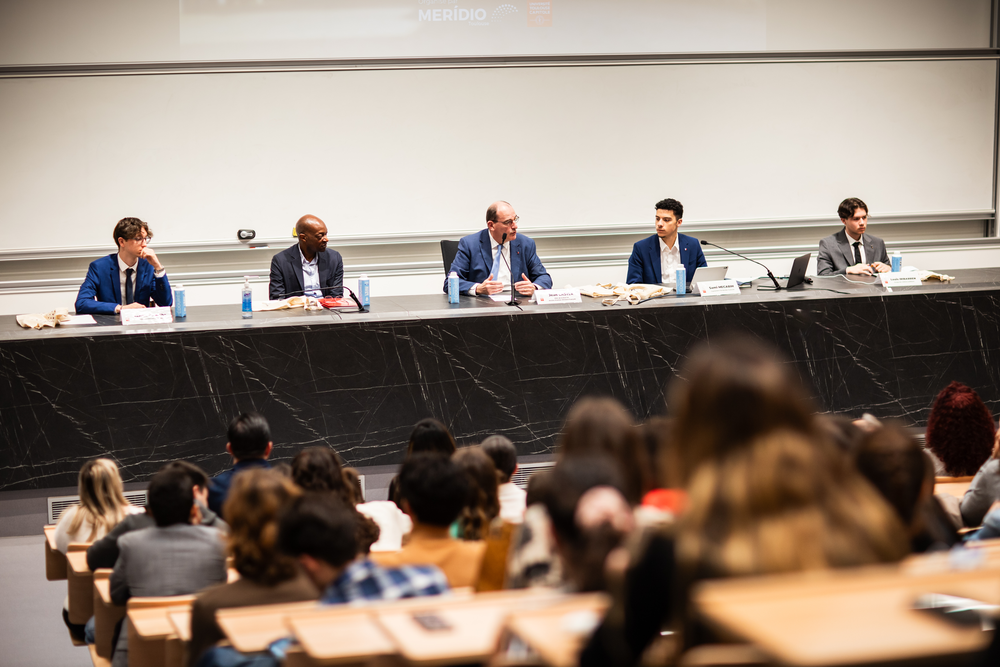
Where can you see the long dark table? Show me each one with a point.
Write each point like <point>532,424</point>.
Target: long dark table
<point>359,381</point>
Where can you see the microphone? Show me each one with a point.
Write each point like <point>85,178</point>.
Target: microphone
<point>513,294</point>
<point>731,252</point>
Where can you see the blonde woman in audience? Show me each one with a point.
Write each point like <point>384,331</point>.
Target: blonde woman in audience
<point>102,506</point>
<point>256,500</point>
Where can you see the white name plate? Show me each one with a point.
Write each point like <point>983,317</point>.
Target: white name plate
<point>544,296</point>
<point>147,315</point>
<point>718,287</point>
<point>899,279</point>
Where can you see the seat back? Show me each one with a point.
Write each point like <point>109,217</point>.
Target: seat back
<point>106,614</point>
<point>55,560</point>
<point>152,641</point>
<point>448,251</point>
<point>79,583</point>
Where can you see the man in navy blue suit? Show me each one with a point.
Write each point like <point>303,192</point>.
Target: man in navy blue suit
<point>128,278</point>
<point>656,259</point>
<point>307,268</point>
<point>480,263</point>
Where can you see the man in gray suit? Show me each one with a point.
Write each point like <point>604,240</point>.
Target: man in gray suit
<point>175,557</point>
<point>851,250</point>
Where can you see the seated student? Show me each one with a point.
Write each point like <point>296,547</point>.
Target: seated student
<point>392,522</point>
<point>434,491</point>
<point>899,469</point>
<point>102,507</point>
<point>249,445</point>
<point>317,469</point>
<point>428,435</point>
<point>512,497</point>
<point>176,557</point>
<point>320,532</point>
<point>104,552</point>
<point>960,431</point>
<point>267,576</point>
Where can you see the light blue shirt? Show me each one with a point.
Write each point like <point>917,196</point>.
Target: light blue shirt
<point>310,276</point>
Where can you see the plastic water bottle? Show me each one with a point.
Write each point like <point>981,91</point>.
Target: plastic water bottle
<point>897,262</point>
<point>681,280</point>
<point>247,299</point>
<point>453,287</point>
<point>364,287</point>
<point>180,301</point>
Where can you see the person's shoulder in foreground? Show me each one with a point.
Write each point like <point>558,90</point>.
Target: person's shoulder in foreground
<point>129,278</point>
<point>479,270</point>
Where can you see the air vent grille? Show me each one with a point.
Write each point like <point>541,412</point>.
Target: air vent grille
<point>59,504</point>
<point>526,470</point>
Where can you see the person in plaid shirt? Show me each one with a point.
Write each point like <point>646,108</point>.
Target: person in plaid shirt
<point>320,532</point>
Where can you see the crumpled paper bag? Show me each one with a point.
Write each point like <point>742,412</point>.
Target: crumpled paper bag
<point>39,321</point>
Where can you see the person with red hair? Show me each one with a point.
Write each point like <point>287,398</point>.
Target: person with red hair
<point>960,431</point>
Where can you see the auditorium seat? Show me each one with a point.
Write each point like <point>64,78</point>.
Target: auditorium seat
<point>106,614</point>
<point>55,560</point>
<point>152,641</point>
<point>80,583</point>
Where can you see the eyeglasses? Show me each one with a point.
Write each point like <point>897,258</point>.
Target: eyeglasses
<point>142,239</point>
<point>509,222</point>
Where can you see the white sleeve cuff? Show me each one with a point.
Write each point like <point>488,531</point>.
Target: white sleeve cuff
<point>160,273</point>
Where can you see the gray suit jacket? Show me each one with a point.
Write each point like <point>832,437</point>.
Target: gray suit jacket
<point>836,253</point>
<point>176,560</point>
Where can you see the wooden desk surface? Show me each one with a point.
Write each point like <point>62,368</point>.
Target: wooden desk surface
<point>180,619</point>
<point>50,536</point>
<point>352,638</point>
<point>956,489</point>
<point>154,622</point>
<point>557,632</point>
<point>103,587</point>
<point>77,561</point>
<point>251,629</point>
<point>848,616</point>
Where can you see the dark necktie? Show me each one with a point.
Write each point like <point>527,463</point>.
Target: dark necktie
<point>857,252</point>
<point>128,283</point>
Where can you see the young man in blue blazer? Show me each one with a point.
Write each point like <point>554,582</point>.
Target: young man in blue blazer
<point>483,271</point>
<point>128,278</point>
<point>655,259</point>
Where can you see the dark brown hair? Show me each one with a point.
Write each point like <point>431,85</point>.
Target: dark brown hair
<point>603,427</point>
<point>849,206</point>
<point>129,228</point>
<point>255,501</point>
<point>483,503</point>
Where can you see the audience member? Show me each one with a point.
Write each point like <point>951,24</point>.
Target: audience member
<point>102,506</point>
<point>482,505</point>
<point>267,576</point>
<point>531,562</point>
<point>960,431</point>
<point>899,469</point>
<point>250,445</point>
<point>984,489</point>
<point>512,497</point>
<point>589,516</point>
<point>104,552</point>
<point>662,497</point>
<point>603,427</point>
<point>434,491</point>
<point>318,470</point>
<point>428,436</point>
<point>176,557</point>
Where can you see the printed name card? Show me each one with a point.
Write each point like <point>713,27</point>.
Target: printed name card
<point>545,296</point>
<point>899,279</point>
<point>147,315</point>
<point>718,287</point>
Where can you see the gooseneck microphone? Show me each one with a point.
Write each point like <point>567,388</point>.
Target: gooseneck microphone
<point>732,252</point>
<point>513,294</point>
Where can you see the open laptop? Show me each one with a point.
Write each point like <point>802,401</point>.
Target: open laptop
<point>798,274</point>
<point>707,274</point>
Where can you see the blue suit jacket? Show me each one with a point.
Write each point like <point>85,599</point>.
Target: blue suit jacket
<point>101,290</point>
<point>644,264</point>
<point>475,259</point>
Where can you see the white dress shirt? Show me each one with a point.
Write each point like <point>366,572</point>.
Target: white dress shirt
<point>503,275</point>
<point>122,266</point>
<point>670,261</point>
<point>864,255</point>
<point>310,276</point>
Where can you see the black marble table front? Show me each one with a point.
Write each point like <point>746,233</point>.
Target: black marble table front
<point>359,381</point>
